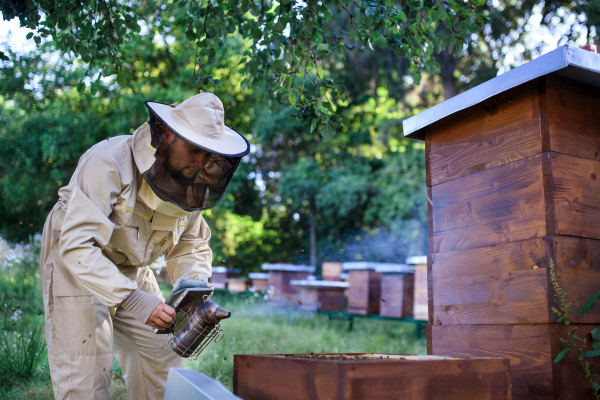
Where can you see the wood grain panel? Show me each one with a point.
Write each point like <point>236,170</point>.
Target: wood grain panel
<point>397,295</point>
<point>577,268</point>
<point>491,285</point>
<point>576,184</point>
<point>364,294</point>
<point>298,377</point>
<point>502,298</point>
<point>489,260</point>
<point>497,131</point>
<point>502,204</point>
<point>527,346</point>
<point>573,112</point>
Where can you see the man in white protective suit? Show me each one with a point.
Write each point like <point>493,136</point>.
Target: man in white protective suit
<point>131,199</point>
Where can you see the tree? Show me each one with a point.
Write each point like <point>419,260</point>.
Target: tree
<point>285,41</point>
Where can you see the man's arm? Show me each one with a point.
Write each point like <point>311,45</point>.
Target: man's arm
<point>191,257</point>
<point>86,229</point>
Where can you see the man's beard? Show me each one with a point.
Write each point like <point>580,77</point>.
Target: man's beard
<point>177,174</point>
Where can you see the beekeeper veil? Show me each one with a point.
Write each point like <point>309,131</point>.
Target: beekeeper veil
<point>196,154</point>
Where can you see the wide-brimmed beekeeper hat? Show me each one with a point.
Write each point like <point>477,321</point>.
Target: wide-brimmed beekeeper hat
<point>200,121</point>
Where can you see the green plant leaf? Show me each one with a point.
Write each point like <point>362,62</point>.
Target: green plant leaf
<point>593,353</point>
<point>371,11</point>
<point>29,35</point>
<point>589,304</point>
<point>560,355</point>
<point>292,99</point>
<point>81,87</point>
<point>121,78</point>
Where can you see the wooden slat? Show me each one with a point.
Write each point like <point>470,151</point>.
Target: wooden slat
<point>576,184</point>
<point>420,304</point>
<point>573,112</point>
<point>489,260</point>
<point>397,293</point>
<point>577,264</point>
<point>499,205</point>
<point>491,285</point>
<point>498,131</point>
<point>364,294</point>
<point>527,346</point>
<point>502,298</point>
<point>290,378</point>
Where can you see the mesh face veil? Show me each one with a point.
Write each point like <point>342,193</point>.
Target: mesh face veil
<point>184,173</point>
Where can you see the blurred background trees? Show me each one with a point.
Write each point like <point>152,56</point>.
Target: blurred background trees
<point>330,175</point>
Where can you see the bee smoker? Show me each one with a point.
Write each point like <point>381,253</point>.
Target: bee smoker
<point>196,321</point>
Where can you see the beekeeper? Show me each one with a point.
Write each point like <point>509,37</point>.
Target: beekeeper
<point>131,199</point>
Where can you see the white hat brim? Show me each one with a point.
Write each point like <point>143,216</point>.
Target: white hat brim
<point>233,144</point>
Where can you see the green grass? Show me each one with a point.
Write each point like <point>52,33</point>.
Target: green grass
<point>254,328</point>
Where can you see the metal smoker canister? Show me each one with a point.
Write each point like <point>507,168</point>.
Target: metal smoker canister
<point>200,328</point>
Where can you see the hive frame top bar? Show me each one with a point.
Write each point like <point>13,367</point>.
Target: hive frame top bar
<point>569,62</point>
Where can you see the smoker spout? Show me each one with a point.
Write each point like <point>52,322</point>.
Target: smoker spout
<point>222,314</point>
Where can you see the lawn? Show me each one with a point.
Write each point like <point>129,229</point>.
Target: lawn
<point>254,328</point>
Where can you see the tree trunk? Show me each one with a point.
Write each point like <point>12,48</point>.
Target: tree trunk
<point>313,233</point>
<point>447,67</point>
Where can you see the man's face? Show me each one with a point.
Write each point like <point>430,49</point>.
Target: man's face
<point>184,160</point>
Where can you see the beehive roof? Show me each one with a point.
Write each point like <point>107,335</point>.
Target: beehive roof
<point>567,61</point>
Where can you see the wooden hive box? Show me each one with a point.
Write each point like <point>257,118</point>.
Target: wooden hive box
<point>364,294</point>
<point>237,284</point>
<point>260,281</point>
<point>397,290</point>
<point>219,278</point>
<point>513,170</point>
<point>331,270</point>
<point>369,376</point>
<point>280,276</point>
<point>420,303</point>
<point>321,295</point>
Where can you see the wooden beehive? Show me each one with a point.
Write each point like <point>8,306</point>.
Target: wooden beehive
<point>331,270</point>
<point>237,284</point>
<point>321,295</point>
<point>364,294</point>
<point>397,291</point>
<point>420,304</point>
<point>369,376</point>
<point>280,275</point>
<point>513,173</point>
<point>260,281</point>
<point>219,278</point>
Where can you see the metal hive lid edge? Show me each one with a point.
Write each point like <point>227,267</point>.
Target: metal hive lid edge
<point>564,57</point>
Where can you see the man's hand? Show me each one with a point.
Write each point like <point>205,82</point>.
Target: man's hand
<point>162,317</point>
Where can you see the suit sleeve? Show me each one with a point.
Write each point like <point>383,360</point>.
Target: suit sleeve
<point>191,257</point>
<point>86,229</point>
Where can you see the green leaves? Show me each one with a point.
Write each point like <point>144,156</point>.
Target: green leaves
<point>280,48</point>
<point>595,334</point>
<point>593,353</point>
<point>590,303</point>
<point>121,78</point>
<point>561,355</point>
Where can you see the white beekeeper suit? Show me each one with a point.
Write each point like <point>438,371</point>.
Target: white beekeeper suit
<point>126,204</point>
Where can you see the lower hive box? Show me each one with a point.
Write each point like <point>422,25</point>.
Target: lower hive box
<point>369,376</point>
<point>321,295</point>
